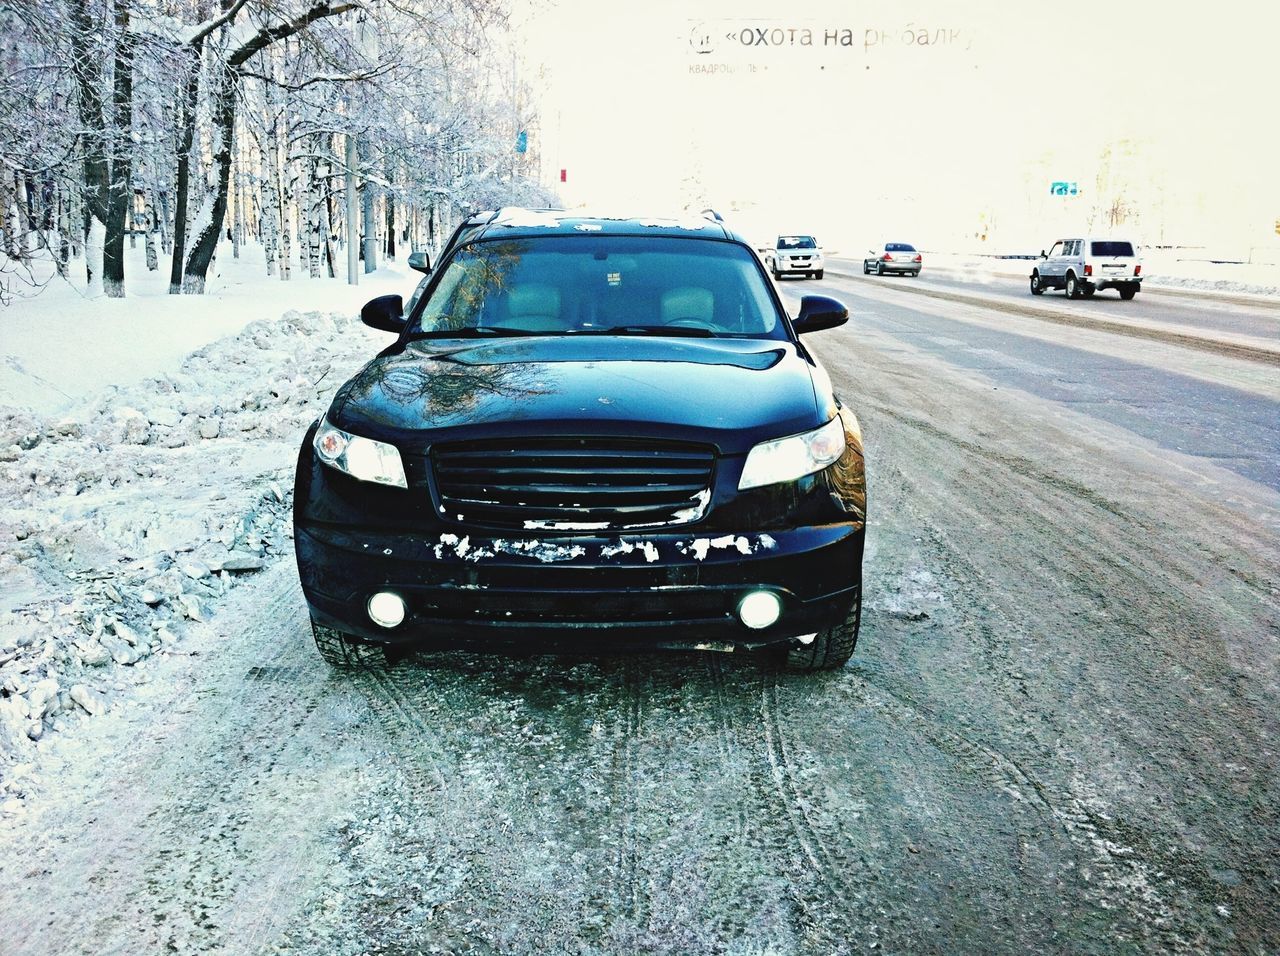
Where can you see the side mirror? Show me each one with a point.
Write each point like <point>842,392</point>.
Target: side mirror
<point>420,261</point>
<point>386,312</point>
<point>1043,254</point>
<point>818,312</point>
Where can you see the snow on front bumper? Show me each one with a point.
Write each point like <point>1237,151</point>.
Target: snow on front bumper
<point>650,588</point>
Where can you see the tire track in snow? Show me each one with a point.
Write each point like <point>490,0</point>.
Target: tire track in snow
<point>841,881</point>
<point>625,800</point>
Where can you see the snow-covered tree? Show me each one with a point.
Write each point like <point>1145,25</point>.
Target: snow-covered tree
<point>188,119</point>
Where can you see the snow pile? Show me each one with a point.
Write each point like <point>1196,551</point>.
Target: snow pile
<point>124,523</point>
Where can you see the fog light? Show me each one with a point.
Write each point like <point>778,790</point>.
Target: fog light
<point>386,609</point>
<point>759,609</point>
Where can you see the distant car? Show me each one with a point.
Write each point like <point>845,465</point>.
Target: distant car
<point>1080,267</point>
<point>599,431</point>
<point>893,257</point>
<point>794,255</point>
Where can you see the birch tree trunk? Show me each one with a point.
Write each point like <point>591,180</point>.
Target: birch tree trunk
<point>237,192</point>
<point>390,199</point>
<point>317,172</point>
<point>8,216</point>
<point>370,223</point>
<point>210,228</point>
<point>266,207</point>
<point>63,258</point>
<point>94,237</point>
<point>182,193</point>
<point>119,191</point>
<point>286,217</point>
<point>353,212</point>
<point>162,223</point>
<point>330,252</point>
<point>153,221</point>
<point>22,219</point>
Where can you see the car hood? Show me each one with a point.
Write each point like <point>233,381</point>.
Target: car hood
<point>727,392</point>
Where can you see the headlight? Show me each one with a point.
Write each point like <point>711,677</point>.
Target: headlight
<point>361,458</point>
<point>787,459</point>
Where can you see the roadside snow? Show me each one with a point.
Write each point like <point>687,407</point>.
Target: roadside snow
<point>62,346</point>
<point>134,516</point>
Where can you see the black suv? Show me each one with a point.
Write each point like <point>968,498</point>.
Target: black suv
<point>588,430</point>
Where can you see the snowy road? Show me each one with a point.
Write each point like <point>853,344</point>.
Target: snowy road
<point>1059,731</point>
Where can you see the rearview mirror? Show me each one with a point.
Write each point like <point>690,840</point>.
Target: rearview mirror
<point>420,261</point>
<point>818,312</point>
<point>386,312</point>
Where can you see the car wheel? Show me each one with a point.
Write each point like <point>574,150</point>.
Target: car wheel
<point>1037,287</point>
<point>832,648</point>
<point>879,268</point>
<point>343,651</point>
<point>1072,286</point>
<point>776,275</point>
<point>818,274</point>
<point>1127,292</point>
<point>1088,291</point>
<point>866,269</point>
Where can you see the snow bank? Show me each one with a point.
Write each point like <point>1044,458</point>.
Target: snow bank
<point>62,346</point>
<point>123,523</point>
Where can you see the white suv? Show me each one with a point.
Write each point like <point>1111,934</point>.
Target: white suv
<point>1081,267</point>
<point>794,255</point>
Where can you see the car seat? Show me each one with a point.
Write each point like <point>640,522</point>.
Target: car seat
<point>534,306</point>
<point>690,303</point>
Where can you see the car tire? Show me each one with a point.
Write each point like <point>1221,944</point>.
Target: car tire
<point>832,648</point>
<point>879,268</point>
<point>1088,291</point>
<point>1127,292</point>
<point>916,274</point>
<point>1072,286</point>
<point>1037,287</point>
<point>818,274</point>
<point>866,269</point>
<point>345,652</point>
<point>776,275</point>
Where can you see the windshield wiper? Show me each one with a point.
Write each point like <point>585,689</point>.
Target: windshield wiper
<point>474,332</point>
<point>690,330</point>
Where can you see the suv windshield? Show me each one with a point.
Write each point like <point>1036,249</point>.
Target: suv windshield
<point>619,285</point>
<point>797,242</point>
<point>1111,248</point>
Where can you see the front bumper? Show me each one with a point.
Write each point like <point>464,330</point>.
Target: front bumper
<point>678,590</point>
<point>799,267</point>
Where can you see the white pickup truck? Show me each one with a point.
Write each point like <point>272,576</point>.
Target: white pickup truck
<point>794,255</point>
<point>1080,267</point>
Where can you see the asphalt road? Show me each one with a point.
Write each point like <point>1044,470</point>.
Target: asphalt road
<point>1244,317</point>
<point>1059,731</point>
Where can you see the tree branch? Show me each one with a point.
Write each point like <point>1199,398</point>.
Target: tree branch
<point>268,35</point>
<point>205,29</point>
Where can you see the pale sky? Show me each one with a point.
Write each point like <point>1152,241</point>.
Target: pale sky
<point>935,142</point>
